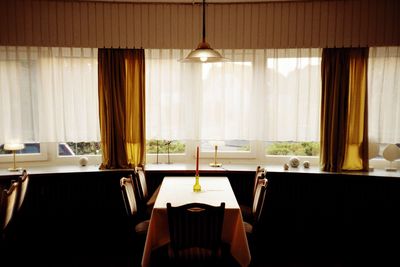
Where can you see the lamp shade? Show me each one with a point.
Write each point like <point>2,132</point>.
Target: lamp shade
<point>13,147</point>
<point>204,54</point>
<point>391,152</point>
<point>373,150</point>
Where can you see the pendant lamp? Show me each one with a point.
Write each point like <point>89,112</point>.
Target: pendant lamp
<point>204,53</point>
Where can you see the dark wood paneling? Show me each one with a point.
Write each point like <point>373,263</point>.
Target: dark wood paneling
<point>307,215</point>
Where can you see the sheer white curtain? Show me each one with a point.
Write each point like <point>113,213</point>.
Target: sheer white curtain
<point>269,95</point>
<point>48,94</point>
<point>384,94</point>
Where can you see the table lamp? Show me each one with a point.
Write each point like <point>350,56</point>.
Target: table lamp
<point>14,148</point>
<point>391,153</point>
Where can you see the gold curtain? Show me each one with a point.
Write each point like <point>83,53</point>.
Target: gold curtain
<point>135,107</point>
<point>122,107</point>
<point>344,129</point>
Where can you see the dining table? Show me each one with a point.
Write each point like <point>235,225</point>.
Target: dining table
<point>214,190</point>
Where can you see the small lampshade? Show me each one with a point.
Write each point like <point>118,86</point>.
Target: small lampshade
<point>391,152</point>
<point>373,150</point>
<point>14,147</point>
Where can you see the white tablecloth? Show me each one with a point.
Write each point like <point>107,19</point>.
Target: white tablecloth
<point>179,191</point>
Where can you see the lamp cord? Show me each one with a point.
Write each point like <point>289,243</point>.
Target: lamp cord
<point>204,21</point>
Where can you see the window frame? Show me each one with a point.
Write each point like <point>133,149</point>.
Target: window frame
<point>27,157</point>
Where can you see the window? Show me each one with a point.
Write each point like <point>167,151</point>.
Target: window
<point>259,95</point>
<point>48,94</point>
<point>30,148</point>
<point>310,149</point>
<point>384,95</point>
<point>165,147</point>
<point>226,146</point>
<point>79,148</point>
<point>31,152</point>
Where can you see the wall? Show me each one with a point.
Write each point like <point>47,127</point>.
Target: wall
<point>75,216</point>
<point>340,23</point>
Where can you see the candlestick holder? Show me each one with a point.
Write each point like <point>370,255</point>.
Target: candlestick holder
<point>215,164</point>
<point>197,186</point>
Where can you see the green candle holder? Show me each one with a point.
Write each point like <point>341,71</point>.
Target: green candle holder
<point>197,186</point>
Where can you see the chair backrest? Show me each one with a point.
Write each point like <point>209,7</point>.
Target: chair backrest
<point>258,202</point>
<point>195,225</point>
<point>24,181</point>
<point>129,192</point>
<point>260,174</point>
<point>141,183</point>
<point>8,204</point>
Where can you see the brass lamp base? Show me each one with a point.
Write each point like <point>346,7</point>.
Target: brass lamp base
<point>14,169</point>
<point>214,164</point>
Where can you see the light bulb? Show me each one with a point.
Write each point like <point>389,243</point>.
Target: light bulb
<point>203,59</point>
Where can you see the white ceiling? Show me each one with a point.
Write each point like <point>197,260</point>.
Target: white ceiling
<point>189,1</point>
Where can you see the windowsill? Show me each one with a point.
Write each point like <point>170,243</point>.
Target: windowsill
<point>163,167</point>
<point>190,167</point>
<point>56,169</point>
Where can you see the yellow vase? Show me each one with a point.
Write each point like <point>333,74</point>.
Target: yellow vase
<point>197,186</point>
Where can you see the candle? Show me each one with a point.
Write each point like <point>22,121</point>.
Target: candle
<point>197,161</point>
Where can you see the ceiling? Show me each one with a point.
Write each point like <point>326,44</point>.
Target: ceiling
<point>189,1</point>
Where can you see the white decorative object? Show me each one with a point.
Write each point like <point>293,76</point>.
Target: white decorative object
<point>306,164</point>
<point>286,166</point>
<point>294,162</point>
<point>391,153</point>
<point>83,161</point>
<point>373,152</point>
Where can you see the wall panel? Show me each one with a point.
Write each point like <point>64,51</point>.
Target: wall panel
<point>60,15</point>
<point>68,20</point>
<point>12,21</point>
<point>308,12</point>
<point>285,25</point>
<point>77,34</point>
<point>36,31</point>
<point>336,23</point>
<point>316,25</point>
<point>20,22</point>
<point>300,18</point>
<point>99,25</point>
<point>122,21</point>
<point>92,36</point>
<point>53,24</point>
<point>277,10</point>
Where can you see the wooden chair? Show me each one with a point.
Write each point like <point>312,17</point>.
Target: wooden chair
<point>252,225</point>
<point>24,181</point>
<point>129,196</point>
<point>195,232</point>
<point>146,200</point>
<point>246,210</point>
<point>136,225</point>
<point>8,205</point>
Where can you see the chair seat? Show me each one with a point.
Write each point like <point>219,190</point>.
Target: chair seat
<point>247,213</point>
<point>141,228</point>
<point>248,227</point>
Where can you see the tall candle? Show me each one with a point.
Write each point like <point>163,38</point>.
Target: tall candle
<point>197,161</point>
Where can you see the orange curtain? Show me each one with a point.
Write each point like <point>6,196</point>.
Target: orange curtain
<point>121,107</point>
<point>344,136</point>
